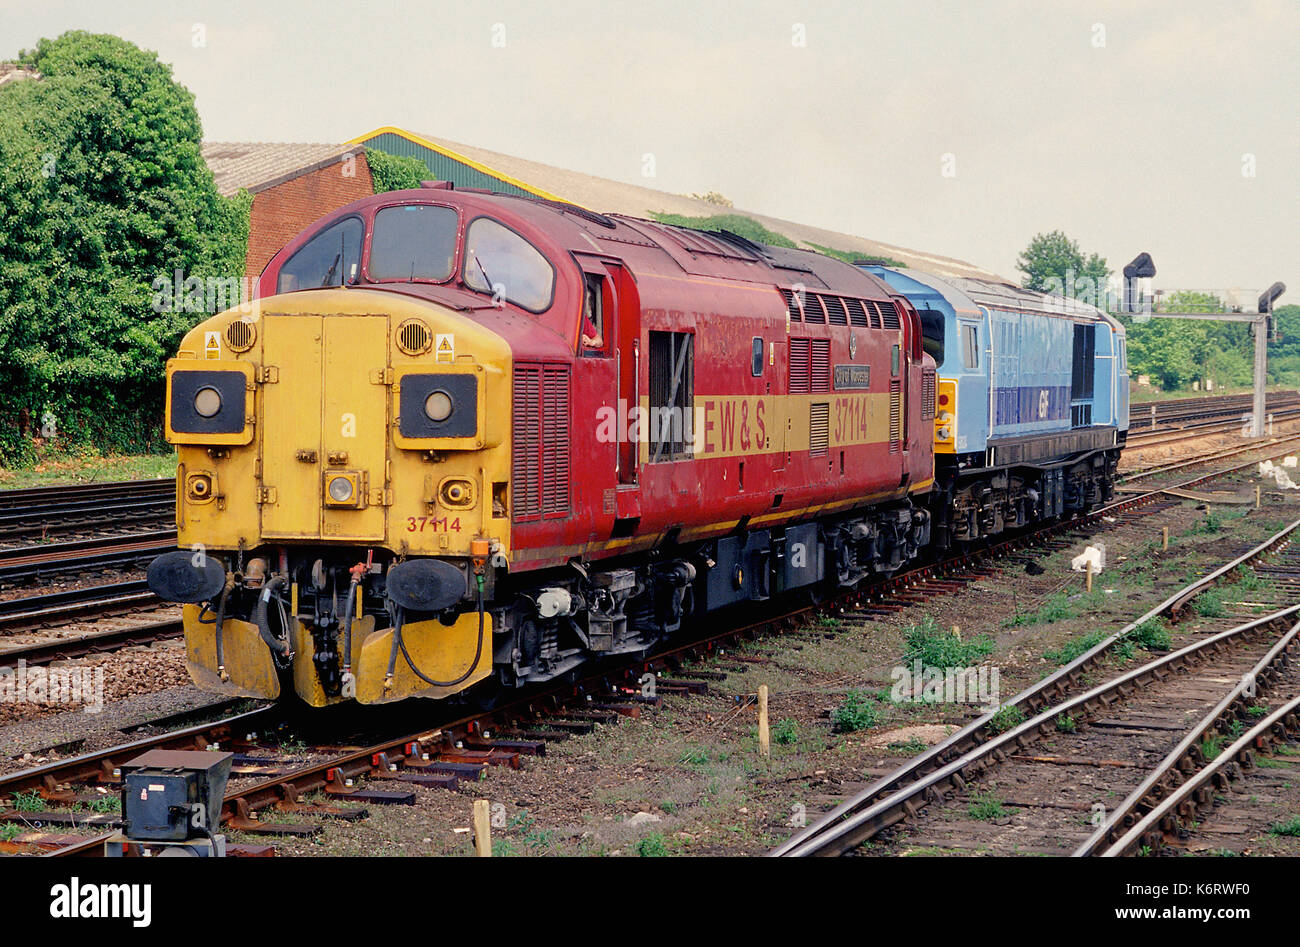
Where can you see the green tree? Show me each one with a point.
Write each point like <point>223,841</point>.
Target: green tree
<point>103,189</point>
<point>1053,263</point>
<point>395,172</point>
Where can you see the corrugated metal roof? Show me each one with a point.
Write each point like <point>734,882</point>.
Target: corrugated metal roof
<point>501,172</point>
<point>258,165</point>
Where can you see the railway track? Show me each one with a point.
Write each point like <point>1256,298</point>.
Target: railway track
<point>1189,411</point>
<point>41,512</point>
<point>453,748</point>
<point>34,563</point>
<point>1054,708</point>
<point>53,608</point>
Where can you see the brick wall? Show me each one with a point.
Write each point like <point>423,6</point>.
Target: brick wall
<point>281,212</point>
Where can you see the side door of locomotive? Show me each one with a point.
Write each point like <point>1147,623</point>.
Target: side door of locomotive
<point>607,379</point>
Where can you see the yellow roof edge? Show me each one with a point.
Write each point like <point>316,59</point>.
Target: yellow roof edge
<point>456,156</point>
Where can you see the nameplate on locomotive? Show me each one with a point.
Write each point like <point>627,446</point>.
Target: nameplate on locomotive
<point>852,377</point>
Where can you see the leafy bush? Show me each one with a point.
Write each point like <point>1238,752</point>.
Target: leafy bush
<point>1152,635</point>
<point>859,711</point>
<point>937,648</point>
<point>103,189</point>
<point>395,172</point>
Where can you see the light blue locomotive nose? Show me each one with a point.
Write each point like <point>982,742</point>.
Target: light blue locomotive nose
<point>1039,403</point>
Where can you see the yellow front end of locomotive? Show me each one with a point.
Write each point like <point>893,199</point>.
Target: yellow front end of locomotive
<point>341,418</point>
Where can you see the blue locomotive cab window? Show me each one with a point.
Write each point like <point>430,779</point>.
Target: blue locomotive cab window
<point>322,260</point>
<point>413,242</point>
<point>970,346</point>
<point>932,334</point>
<point>503,264</point>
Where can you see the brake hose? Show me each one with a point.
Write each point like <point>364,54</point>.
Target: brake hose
<point>263,628</point>
<point>399,643</point>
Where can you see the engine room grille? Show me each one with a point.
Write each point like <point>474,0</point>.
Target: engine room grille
<point>819,429</point>
<point>540,468</point>
<point>835,307</point>
<point>812,309</point>
<point>927,396</point>
<point>895,415</point>
<point>888,314</point>
<point>800,350</point>
<point>792,305</point>
<point>857,315</point>
<point>820,372</point>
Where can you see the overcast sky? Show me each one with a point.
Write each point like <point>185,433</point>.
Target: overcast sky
<point>1169,127</point>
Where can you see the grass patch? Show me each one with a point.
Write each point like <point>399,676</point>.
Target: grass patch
<point>739,224</point>
<point>859,711</point>
<point>1209,525</point>
<point>1057,608</point>
<point>88,467</point>
<point>10,831</point>
<point>652,846</point>
<point>786,732</point>
<point>937,648</point>
<point>985,806</point>
<point>1209,604</point>
<point>1212,746</point>
<point>1248,580</point>
<point>1291,827</point>
<point>1075,647</point>
<point>912,745</point>
<point>1152,635</point>
<point>1007,718</point>
<point>28,802</point>
<point>1066,724</point>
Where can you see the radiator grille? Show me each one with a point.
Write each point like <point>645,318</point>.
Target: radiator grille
<point>927,396</point>
<point>895,415</point>
<point>540,468</point>
<point>819,429</point>
<point>835,308</point>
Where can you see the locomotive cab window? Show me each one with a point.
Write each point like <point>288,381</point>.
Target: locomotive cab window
<point>593,314</point>
<point>672,394</point>
<point>413,242</point>
<point>756,358</point>
<point>498,260</point>
<point>322,260</point>
<point>970,345</point>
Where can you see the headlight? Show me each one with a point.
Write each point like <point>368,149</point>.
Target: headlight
<point>340,489</point>
<point>438,406</point>
<point>207,402</point>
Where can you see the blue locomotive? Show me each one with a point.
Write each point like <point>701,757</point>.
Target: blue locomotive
<point>1032,403</point>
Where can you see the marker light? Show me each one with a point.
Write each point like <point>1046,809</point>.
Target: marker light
<point>207,402</point>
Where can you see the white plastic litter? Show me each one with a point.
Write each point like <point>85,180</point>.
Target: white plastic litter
<point>1094,554</point>
<point>1284,481</point>
<point>1266,468</point>
<point>1290,461</point>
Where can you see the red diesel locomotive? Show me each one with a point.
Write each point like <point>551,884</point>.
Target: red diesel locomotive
<point>465,435</point>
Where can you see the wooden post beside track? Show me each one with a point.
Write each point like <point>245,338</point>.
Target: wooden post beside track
<point>764,737</point>
<point>1257,496</point>
<point>1088,580</point>
<point>1164,534</point>
<point>482,828</point>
